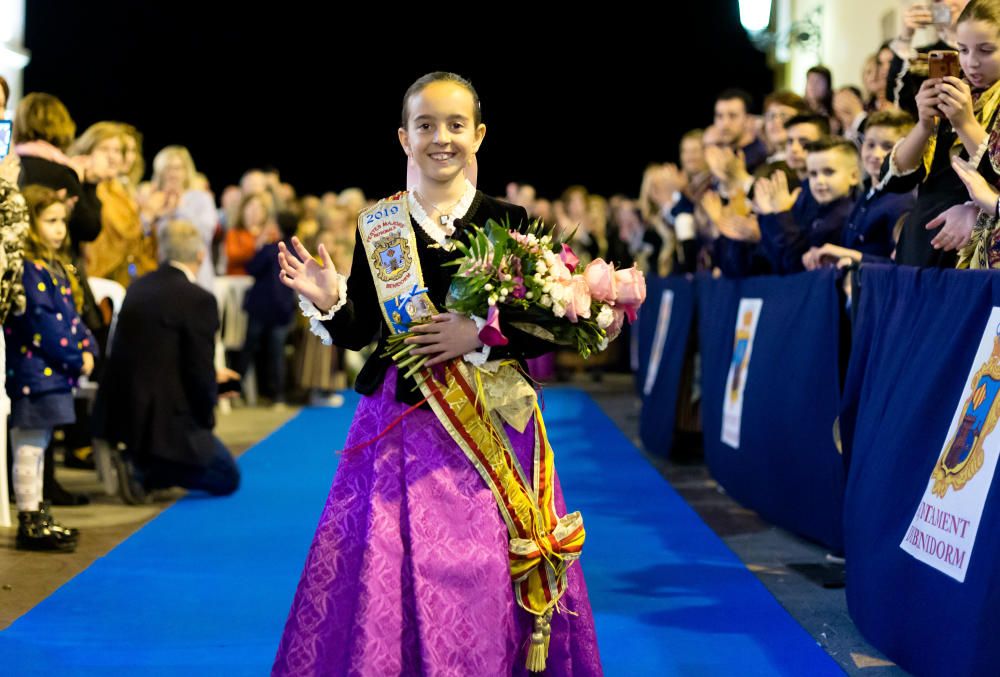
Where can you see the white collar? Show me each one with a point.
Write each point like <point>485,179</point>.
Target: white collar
<point>436,231</point>
<point>184,269</point>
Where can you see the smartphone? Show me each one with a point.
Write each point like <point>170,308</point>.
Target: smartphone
<point>942,63</point>
<point>941,14</point>
<point>6,126</point>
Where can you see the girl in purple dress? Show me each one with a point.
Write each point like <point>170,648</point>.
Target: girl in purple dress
<point>409,572</point>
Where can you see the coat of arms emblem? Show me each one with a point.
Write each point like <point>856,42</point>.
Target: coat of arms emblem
<point>963,456</point>
<point>392,258</point>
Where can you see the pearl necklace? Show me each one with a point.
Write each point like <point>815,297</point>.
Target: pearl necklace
<point>440,233</point>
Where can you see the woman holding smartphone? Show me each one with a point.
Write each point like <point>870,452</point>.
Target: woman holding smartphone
<point>956,116</point>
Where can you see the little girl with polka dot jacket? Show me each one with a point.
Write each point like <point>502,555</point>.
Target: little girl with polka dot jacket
<point>48,349</point>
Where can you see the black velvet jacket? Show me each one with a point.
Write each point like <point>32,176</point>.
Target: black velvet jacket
<point>360,319</point>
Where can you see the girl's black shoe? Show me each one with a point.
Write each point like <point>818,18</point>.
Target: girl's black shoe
<point>36,530</point>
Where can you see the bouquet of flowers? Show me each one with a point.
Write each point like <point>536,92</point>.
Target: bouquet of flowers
<point>531,278</point>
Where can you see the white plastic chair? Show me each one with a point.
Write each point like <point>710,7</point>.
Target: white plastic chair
<point>114,292</point>
<point>103,289</point>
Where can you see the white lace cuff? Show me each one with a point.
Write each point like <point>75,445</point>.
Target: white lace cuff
<point>980,152</point>
<point>478,357</point>
<point>316,318</point>
<point>894,168</point>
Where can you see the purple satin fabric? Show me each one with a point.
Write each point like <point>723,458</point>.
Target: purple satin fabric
<point>408,572</point>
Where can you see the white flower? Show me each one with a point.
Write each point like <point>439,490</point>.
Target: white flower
<point>546,300</point>
<point>529,295</point>
<point>559,310</point>
<point>541,267</point>
<point>538,278</point>
<point>493,299</point>
<point>488,286</point>
<point>603,344</point>
<point>605,317</point>
<point>503,293</point>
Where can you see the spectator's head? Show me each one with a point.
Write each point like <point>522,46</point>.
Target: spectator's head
<point>354,200</point>
<point>511,193</point>
<point>869,75</point>
<point>732,107</point>
<point>49,213</point>
<point>525,196</point>
<point>779,108</point>
<point>819,89</point>
<point>336,220</point>
<point>253,215</point>
<point>693,153</point>
<point>173,170</point>
<point>884,58</point>
<point>848,104</point>
<point>833,169</point>
<point>103,143</point>
<point>310,206</point>
<point>978,37</point>
<point>286,193</point>
<point>4,95</point>
<point>231,198</point>
<point>574,202</point>
<point>254,182</point>
<point>543,210</point>
<point>802,130</point>
<point>884,130</point>
<point>597,215</point>
<point>43,117</point>
<point>133,164</point>
<point>182,243</point>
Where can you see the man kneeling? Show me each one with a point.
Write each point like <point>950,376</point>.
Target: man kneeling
<point>157,396</point>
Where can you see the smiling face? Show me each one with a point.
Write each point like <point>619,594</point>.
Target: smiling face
<point>878,144</point>
<point>979,52</point>
<point>441,134</point>
<point>832,174</point>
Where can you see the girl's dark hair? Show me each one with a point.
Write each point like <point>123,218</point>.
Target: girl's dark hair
<point>441,76</point>
<point>981,10</point>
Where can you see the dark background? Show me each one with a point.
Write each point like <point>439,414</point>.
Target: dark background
<point>579,98</point>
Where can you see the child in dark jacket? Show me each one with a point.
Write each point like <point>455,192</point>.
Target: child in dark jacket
<point>48,348</point>
<point>870,231</point>
<point>790,225</point>
<point>270,306</point>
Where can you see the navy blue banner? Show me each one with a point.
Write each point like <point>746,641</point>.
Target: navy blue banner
<point>663,328</point>
<point>917,383</point>
<point>771,388</point>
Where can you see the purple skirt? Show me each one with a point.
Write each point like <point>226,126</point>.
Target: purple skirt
<point>408,572</point>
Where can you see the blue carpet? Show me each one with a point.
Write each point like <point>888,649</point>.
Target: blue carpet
<point>205,587</point>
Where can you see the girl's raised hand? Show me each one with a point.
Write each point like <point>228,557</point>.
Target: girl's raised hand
<point>980,191</point>
<point>927,103</point>
<point>315,280</point>
<point>955,101</point>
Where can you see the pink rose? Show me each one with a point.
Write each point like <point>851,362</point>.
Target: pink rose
<point>569,258</point>
<point>578,304</point>
<point>490,334</point>
<point>600,277</point>
<point>631,287</point>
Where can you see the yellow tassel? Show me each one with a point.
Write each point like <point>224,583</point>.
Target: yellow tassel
<point>538,650</point>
